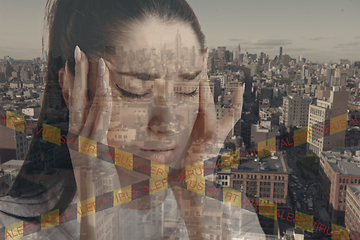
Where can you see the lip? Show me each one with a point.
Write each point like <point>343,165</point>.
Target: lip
<point>163,155</point>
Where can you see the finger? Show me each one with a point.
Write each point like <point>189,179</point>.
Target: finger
<point>234,115</point>
<point>206,102</point>
<point>98,120</point>
<point>79,91</point>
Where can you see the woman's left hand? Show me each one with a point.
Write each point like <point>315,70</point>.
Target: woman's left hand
<point>208,130</point>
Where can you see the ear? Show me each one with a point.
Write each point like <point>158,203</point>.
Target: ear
<point>65,80</point>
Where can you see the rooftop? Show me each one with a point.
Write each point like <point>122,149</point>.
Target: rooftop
<point>267,165</point>
<point>12,165</point>
<point>355,189</point>
<point>346,162</point>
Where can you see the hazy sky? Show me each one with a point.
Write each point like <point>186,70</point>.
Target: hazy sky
<point>319,30</point>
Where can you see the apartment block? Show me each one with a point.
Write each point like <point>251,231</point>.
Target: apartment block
<point>320,114</point>
<point>340,169</point>
<point>295,111</point>
<point>266,178</point>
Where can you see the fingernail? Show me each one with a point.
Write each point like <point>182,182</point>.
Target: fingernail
<point>66,68</point>
<point>101,67</point>
<point>77,54</point>
<point>103,88</point>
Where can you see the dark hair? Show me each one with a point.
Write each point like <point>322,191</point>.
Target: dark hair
<point>91,24</point>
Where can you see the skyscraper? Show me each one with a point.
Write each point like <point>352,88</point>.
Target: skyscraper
<point>221,53</point>
<point>178,45</point>
<point>320,114</point>
<point>295,111</point>
<point>237,52</point>
<point>280,53</point>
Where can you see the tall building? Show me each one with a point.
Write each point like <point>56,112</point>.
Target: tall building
<point>221,53</point>
<point>192,57</point>
<point>320,114</point>
<point>280,55</point>
<point>7,144</point>
<point>330,76</point>
<point>215,86</point>
<point>295,111</point>
<point>237,52</point>
<point>178,45</point>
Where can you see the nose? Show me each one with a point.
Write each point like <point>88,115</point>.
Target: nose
<point>162,115</point>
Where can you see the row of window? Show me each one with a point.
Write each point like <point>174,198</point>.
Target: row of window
<point>266,177</point>
<point>265,183</point>
<point>347,180</point>
<point>278,190</point>
<point>279,184</point>
<point>342,187</point>
<point>278,196</point>
<point>264,195</point>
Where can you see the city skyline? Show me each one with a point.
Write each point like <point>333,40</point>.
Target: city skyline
<point>320,31</point>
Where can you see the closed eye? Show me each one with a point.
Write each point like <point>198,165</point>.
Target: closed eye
<point>130,94</point>
<point>193,93</point>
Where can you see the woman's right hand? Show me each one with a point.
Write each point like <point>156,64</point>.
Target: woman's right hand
<point>88,123</point>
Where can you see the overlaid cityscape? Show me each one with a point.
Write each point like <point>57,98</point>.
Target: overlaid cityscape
<point>320,177</point>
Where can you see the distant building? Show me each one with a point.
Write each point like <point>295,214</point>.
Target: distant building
<point>8,172</point>
<point>285,59</point>
<point>295,111</point>
<point>23,141</point>
<point>263,131</point>
<point>352,136</point>
<point>7,145</point>
<point>221,53</point>
<point>215,87</point>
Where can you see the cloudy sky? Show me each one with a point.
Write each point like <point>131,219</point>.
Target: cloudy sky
<point>320,30</point>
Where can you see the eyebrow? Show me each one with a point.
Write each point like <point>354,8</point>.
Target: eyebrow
<point>140,76</point>
<point>190,76</point>
<point>147,77</point>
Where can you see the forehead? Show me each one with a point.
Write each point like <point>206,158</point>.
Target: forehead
<point>153,33</point>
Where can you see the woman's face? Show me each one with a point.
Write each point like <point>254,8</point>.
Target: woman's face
<point>155,90</point>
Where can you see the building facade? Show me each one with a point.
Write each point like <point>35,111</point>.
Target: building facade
<point>321,119</point>
<point>267,179</point>
<point>295,111</point>
<point>352,210</point>
<point>340,169</point>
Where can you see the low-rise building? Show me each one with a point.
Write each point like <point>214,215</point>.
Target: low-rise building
<point>340,169</point>
<point>266,178</point>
